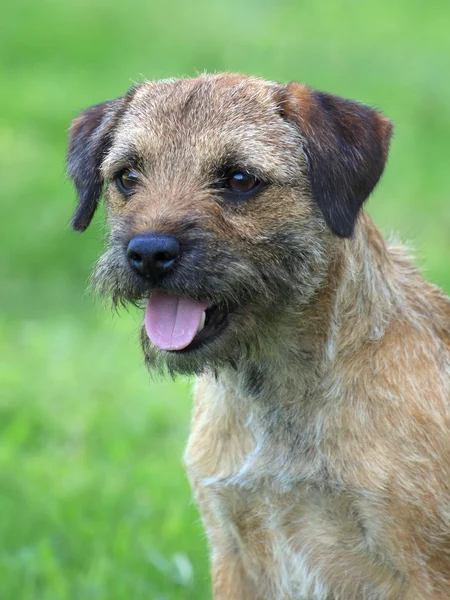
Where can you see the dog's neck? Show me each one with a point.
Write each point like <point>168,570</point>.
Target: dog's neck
<point>370,288</point>
<point>365,287</point>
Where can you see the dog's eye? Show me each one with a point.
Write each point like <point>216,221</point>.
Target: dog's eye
<point>127,181</point>
<point>242,182</point>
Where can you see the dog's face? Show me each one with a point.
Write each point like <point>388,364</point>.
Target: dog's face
<point>225,196</point>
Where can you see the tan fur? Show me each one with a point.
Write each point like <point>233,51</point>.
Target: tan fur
<point>319,450</point>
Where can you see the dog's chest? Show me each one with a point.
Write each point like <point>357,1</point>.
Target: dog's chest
<point>295,528</point>
<point>276,523</point>
<point>284,536</point>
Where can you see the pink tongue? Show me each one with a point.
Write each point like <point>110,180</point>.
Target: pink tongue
<point>171,322</point>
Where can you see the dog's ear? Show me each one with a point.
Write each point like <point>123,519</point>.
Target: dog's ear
<point>346,145</point>
<point>89,139</point>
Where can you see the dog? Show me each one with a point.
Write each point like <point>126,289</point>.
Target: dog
<point>319,453</point>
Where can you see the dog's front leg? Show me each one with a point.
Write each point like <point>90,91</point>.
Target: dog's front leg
<point>230,581</point>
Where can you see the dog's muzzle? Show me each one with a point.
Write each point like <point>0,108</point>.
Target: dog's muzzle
<point>173,322</point>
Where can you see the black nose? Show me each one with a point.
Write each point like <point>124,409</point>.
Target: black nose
<point>153,254</point>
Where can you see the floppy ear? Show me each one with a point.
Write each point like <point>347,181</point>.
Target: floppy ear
<point>346,145</point>
<point>89,139</point>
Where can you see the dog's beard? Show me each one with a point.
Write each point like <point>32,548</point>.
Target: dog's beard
<point>257,297</point>
<point>113,280</point>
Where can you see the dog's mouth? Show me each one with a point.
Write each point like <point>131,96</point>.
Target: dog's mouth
<point>177,324</point>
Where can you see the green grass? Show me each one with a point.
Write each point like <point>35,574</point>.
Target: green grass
<point>94,502</point>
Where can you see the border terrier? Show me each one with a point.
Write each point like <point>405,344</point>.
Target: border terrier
<point>319,453</point>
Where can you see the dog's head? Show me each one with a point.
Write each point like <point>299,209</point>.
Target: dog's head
<point>225,197</point>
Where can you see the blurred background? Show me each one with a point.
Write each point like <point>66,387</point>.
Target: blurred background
<point>94,502</point>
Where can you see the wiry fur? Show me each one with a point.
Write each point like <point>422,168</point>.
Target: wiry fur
<point>319,446</point>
